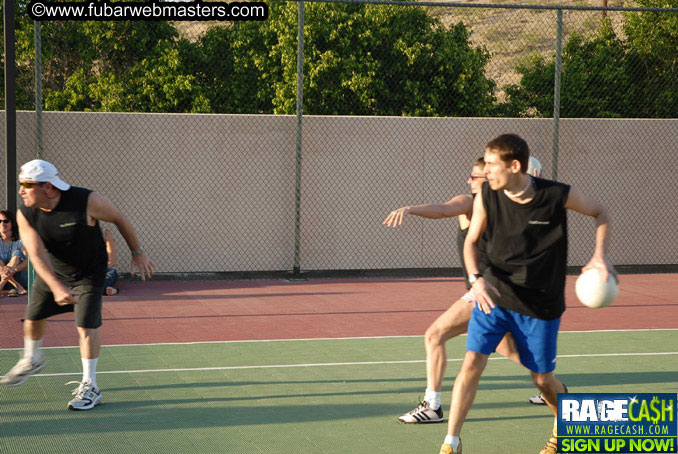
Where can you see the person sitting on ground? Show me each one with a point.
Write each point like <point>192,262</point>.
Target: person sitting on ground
<point>13,261</point>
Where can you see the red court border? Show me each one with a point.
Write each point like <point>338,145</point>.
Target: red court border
<point>199,311</point>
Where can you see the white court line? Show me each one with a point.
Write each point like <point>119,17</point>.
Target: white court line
<point>363,363</point>
<point>330,339</point>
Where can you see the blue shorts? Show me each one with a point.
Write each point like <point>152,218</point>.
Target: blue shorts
<point>535,339</point>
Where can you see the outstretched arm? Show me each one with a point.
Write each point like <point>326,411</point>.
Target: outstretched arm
<point>579,202</point>
<point>102,209</point>
<point>461,204</point>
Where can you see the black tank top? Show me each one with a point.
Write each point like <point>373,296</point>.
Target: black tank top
<point>527,249</point>
<point>75,249</point>
<point>482,255</point>
<point>461,237</point>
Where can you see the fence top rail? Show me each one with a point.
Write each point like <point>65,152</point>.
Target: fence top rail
<point>497,6</point>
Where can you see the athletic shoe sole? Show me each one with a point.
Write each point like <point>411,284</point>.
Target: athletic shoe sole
<point>437,421</point>
<point>88,407</point>
<point>27,376</point>
<point>422,414</point>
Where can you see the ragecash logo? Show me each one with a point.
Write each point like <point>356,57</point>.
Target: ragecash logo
<point>619,423</point>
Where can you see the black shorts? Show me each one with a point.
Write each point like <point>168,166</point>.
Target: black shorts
<point>41,304</point>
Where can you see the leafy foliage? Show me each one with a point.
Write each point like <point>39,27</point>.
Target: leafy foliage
<point>359,60</point>
<point>606,77</point>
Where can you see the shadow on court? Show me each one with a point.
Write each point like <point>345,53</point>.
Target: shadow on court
<point>177,414</point>
<point>488,382</point>
<point>352,394</point>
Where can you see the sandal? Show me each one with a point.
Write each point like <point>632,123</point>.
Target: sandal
<point>12,293</point>
<point>111,291</point>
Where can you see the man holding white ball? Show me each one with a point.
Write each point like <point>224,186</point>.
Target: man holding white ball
<point>523,289</point>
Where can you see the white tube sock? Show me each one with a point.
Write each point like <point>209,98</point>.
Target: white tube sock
<point>433,399</point>
<point>89,370</point>
<point>32,348</point>
<point>452,441</point>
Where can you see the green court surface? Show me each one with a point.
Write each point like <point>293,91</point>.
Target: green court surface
<point>307,396</point>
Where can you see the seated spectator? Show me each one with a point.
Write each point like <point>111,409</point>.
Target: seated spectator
<point>13,261</point>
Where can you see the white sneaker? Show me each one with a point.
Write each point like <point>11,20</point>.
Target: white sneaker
<point>537,400</point>
<point>423,414</point>
<point>86,396</point>
<point>22,371</point>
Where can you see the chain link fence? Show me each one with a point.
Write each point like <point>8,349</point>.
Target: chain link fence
<point>197,130</point>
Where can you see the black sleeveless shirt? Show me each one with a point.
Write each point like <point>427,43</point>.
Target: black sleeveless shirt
<point>76,250</point>
<point>461,237</point>
<point>482,255</point>
<point>527,249</point>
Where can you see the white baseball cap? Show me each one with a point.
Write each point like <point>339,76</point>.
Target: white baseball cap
<point>44,172</point>
<point>533,165</point>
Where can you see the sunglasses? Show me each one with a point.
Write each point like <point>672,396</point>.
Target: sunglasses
<point>27,185</point>
<point>5,221</point>
<point>478,177</point>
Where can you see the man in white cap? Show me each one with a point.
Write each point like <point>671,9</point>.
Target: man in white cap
<point>59,226</point>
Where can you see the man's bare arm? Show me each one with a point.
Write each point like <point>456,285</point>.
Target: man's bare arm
<point>580,203</point>
<point>461,204</point>
<point>102,209</point>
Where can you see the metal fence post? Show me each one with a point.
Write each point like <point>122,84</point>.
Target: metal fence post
<point>38,86</point>
<point>10,105</point>
<point>38,120</point>
<point>300,103</point>
<point>556,96</point>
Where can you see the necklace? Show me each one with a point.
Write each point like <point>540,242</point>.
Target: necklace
<point>527,186</point>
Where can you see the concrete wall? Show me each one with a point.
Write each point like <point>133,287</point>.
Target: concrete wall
<point>217,192</point>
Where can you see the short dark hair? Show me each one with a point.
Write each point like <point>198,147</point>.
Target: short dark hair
<point>480,162</point>
<point>15,229</point>
<point>510,147</point>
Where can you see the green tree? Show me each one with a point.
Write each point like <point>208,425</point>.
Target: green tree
<point>604,76</point>
<point>25,57</point>
<point>654,33</point>
<point>105,66</point>
<point>653,38</point>
<point>358,60</point>
<point>118,66</point>
<point>593,76</point>
<point>232,62</point>
<point>391,60</point>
